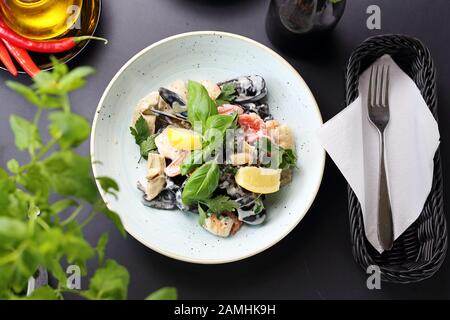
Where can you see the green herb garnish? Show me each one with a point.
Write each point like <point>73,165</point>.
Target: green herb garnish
<point>199,106</point>
<point>274,156</point>
<point>220,204</point>
<point>202,183</point>
<point>228,94</point>
<point>143,138</point>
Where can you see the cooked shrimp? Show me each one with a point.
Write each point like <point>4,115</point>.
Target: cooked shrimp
<point>229,109</point>
<point>174,168</point>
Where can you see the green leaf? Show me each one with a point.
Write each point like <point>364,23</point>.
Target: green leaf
<point>228,94</point>
<point>100,248</point>
<point>44,293</point>
<point>202,183</point>
<point>218,124</point>
<point>114,217</point>
<point>11,230</point>
<point>108,185</point>
<point>71,129</point>
<point>140,131</point>
<point>192,161</point>
<point>148,146</point>
<point>75,79</point>
<point>166,293</point>
<point>61,205</point>
<point>28,93</point>
<point>26,133</point>
<point>202,215</point>
<point>46,84</point>
<point>108,283</point>
<point>59,69</point>
<point>200,106</point>
<point>70,175</point>
<point>13,166</point>
<point>273,155</point>
<point>288,159</point>
<point>36,179</point>
<point>221,204</point>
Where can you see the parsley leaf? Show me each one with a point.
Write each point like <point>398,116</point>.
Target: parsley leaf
<point>221,204</point>
<point>147,146</point>
<point>143,138</point>
<point>228,94</point>
<point>140,130</point>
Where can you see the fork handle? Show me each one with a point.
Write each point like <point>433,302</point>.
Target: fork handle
<point>385,224</point>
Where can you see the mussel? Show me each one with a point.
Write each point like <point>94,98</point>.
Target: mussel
<point>253,212</point>
<point>248,88</point>
<point>177,103</point>
<point>175,112</point>
<point>261,109</point>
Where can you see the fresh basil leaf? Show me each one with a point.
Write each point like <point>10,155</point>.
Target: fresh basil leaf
<point>200,106</point>
<point>70,175</point>
<point>70,129</point>
<point>113,217</point>
<point>228,94</point>
<point>59,69</point>
<point>44,293</point>
<point>26,133</point>
<point>11,230</point>
<point>192,161</point>
<point>202,215</point>
<point>219,124</point>
<point>202,183</point>
<point>25,91</point>
<point>109,282</point>
<point>46,84</point>
<point>36,179</point>
<point>61,205</point>
<point>221,204</point>
<point>75,79</point>
<point>164,294</point>
<point>13,166</point>
<point>100,248</point>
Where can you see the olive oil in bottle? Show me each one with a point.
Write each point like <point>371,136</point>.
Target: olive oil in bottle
<point>41,19</point>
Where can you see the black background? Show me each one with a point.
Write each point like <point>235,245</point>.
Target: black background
<point>315,260</point>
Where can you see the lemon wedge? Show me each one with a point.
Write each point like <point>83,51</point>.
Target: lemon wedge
<point>259,180</point>
<point>184,139</point>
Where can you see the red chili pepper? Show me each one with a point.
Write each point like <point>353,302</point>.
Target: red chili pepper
<point>6,59</point>
<point>50,46</point>
<point>23,58</point>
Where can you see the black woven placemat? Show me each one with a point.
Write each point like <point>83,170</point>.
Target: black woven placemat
<point>419,252</point>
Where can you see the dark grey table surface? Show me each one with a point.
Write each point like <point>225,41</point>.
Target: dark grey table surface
<point>315,261</point>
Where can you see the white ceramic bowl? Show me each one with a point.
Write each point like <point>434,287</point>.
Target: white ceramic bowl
<point>216,56</point>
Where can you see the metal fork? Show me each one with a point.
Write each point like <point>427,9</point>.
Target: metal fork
<point>378,107</point>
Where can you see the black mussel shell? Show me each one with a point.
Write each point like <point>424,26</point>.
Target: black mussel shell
<point>248,88</point>
<point>261,109</point>
<point>170,97</point>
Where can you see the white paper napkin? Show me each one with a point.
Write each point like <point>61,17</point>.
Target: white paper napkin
<point>412,138</point>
